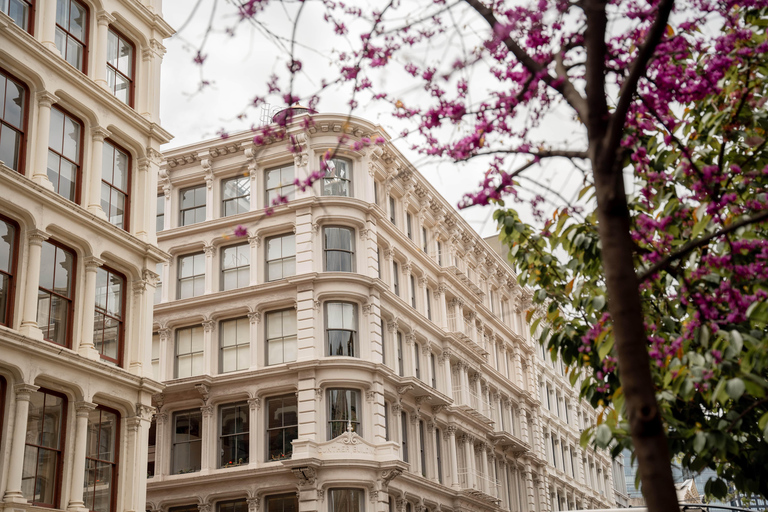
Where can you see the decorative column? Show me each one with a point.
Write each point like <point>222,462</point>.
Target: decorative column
<point>209,249</point>
<point>142,225</point>
<point>389,256</point>
<point>439,297</point>
<point>397,423</point>
<point>16,463</point>
<point>529,490</point>
<point>255,243</point>
<point>86,347</point>
<point>254,319</point>
<point>99,69</point>
<point>29,325</point>
<point>423,291</point>
<point>48,24</point>
<point>485,468</point>
<point>165,370</point>
<point>208,349</point>
<point>208,429</point>
<point>93,175</point>
<point>162,444</point>
<point>210,212</point>
<point>408,273</point>
<point>83,409</point>
<point>45,101</point>
<point>445,363</point>
<point>254,404</point>
<point>450,435</point>
<point>471,464</point>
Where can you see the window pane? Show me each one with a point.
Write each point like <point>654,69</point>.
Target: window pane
<point>77,21</point>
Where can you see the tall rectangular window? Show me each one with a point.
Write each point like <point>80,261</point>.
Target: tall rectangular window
<point>387,436</point>
<point>281,336</point>
<point>346,500</point>
<point>338,177</point>
<point>44,447</point>
<point>408,225</point>
<point>281,257</point>
<point>341,329</point>
<point>189,351</point>
<point>9,242</point>
<point>282,426</point>
<point>235,342</point>
<point>417,360</point>
<point>192,208</point>
<point>115,184</point>
<point>65,144</point>
<point>13,109</point>
<point>160,218</point>
<point>235,266</point>
<point>413,291</point>
<point>424,239</point>
<point>101,460</point>
<point>396,278</point>
<point>71,31</point>
<point>434,369</point>
<point>191,275</point>
<point>339,249</point>
<point>282,503</point>
<point>187,442</point>
<point>439,455</point>
<point>404,435</point>
<point>155,356</point>
<point>280,185</point>
<point>120,67</point>
<point>344,411</point>
<point>422,451</point>
<point>400,365</point>
<point>235,195</point>
<point>233,440</point>
<point>439,253</point>
<point>392,215</point>
<point>56,293</point>
<point>20,12</point>
<point>108,329</point>
<point>429,304</point>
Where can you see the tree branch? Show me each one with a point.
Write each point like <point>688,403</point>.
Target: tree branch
<point>596,49</point>
<point>551,153</point>
<point>561,84</point>
<point>684,250</point>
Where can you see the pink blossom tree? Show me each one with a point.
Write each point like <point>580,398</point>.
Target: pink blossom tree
<point>656,294</point>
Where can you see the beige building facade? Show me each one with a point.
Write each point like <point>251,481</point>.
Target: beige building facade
<point>360,348</point>
<point>79,153</point>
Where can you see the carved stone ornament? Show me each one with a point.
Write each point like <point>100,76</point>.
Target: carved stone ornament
<point>389,475</point>
<point>306,476</point>
<point>254,317</point>
<point>254,404</point>
<point>366,309</point>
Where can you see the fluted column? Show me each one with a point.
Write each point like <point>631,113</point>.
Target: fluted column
<point>208,428</point>
<point>16,463</point>
<point>29,325</point>
<point>82,410</point>
<point>98,134</point>
<point>99,70</point>
<point>86,347</point>
<point>254,404</point>
<point>45,101</point>
<point>162,443</point>
<point>454,460</point>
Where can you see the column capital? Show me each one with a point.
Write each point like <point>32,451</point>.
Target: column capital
<point>83,408</point>
<point>254,404</point>
<point>104,18</point>
<point>208,249</point>
<point>208,325</point>
<point>207,411</point>
<point>37,237</point>
<point>98,134</point>
<point>92,263</point>
<point>24,391</point>
<point>46,99</point>
<point>254,317</point>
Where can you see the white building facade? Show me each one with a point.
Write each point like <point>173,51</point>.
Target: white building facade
<point>79,156</point>
<point>360,348</point>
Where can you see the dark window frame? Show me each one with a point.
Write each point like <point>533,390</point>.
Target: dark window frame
<point>67,34</point>
<point>20,130</point>
<point>409,225</point>
<point>285,430</point>
<point>236,505</point>
<point>11,274</point>
<point>360,497</point>
<point>113,189</point>
<point>78,178</point>
<point>30,28</point>
<point>404,436</point>
<point>357,426</point>
<point>72,293</point>
<point>115,463</point>
<point>291,496</point>
<point>422,448</point>
<point>237,436</point>
<point>120,320</point>
<point>59,452</point>
<point>131,79</point>
<point>439,455</point>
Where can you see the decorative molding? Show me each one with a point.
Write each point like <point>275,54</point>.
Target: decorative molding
<point>367,309</point>
<point>307,476</point>
<point>254,317</point>
<point>254,404</point>
<point>208,325</point>
<point>208,249</point>
<point>204,391</point>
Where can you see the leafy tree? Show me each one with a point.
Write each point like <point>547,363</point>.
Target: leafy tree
<point>656,297</point>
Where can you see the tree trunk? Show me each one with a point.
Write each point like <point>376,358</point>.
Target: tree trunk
<point>631,343</point>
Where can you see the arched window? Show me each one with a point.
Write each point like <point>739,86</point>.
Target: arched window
<point>21,12</point>
<point>9,247</point>
<point>56,293</point>
<point>108,327</point>
<point>338,178</point>
<point>13,121</point>
<point>120,66</point>
<point>100,484</point>
<point>65,153</point>
<point>116,184</point>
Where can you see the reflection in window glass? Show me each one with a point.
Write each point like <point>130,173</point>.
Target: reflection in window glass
<point>337,180</point>
<point>233,441</point>
<point>115,182</point>
<point>281,257</point>
<point>341,329</point>
<point>235,338</point>
<point>187,441</point>
<point>192,208</point>
<point>120,67</point>
<point>101,460</point>
<point>280,185</point>
<point>235,196</point>
<point>346,500</point>
<point>282,426</point>
<point>191,275</point>
<point>282,503</point>
<point>12,109</point>
<point>71,31</point>
<point>281,336</point>
<point>19,11</point>
<point>343,411</point>
<point>64,154</point>
<point>56,293</point>
<point>235,266</point>
<point>8,246</point>
<point>108,317</point>
<point>44,445</point>
<point>339,249</point>
<point>189,351</point>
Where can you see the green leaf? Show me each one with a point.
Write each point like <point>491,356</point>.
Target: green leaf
<point>603,435</point>
<point>699,442</point>
<point>699,227</point>
<point>737,342</point>
<point>735,388</point>
<point>598,302</point>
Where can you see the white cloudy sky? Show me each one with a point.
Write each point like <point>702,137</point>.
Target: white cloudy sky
<point>238,67</point>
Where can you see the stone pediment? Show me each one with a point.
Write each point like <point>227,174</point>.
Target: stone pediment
<point>348,443</point>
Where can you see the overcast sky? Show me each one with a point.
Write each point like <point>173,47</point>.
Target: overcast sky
<point>238,66</point>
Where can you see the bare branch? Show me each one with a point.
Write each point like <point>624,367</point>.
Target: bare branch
<point>553,153</point>
<point>687,248</point>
